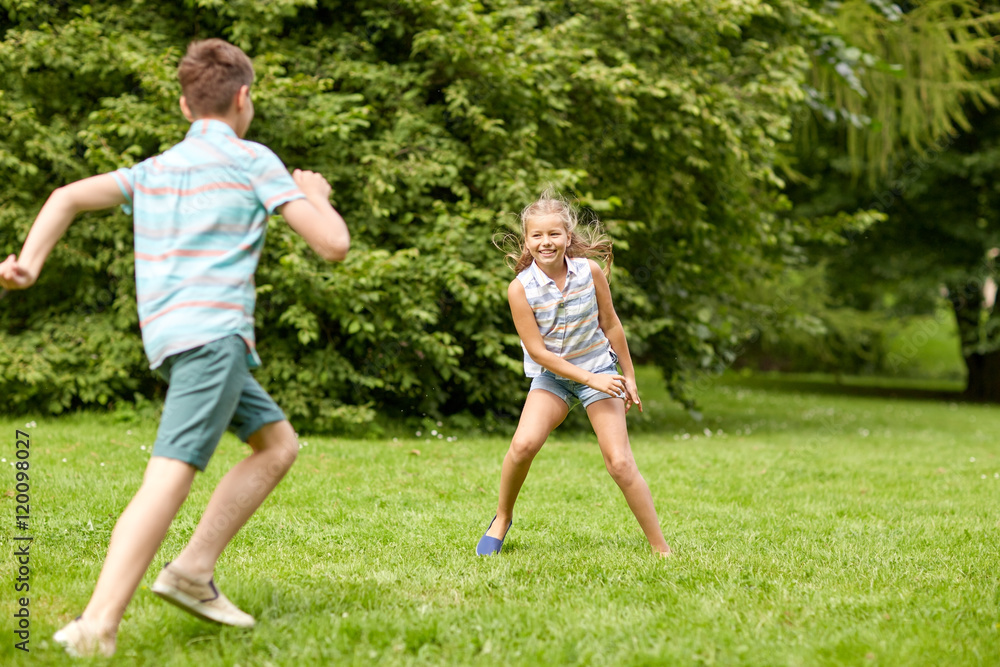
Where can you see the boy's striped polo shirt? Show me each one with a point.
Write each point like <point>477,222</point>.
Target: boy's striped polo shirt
<point>567,319</point>
<point>200,214</point>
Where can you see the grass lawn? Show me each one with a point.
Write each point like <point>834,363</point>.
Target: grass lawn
<point>814,524</point>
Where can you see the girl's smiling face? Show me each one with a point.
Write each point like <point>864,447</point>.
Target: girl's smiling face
<point>547,240</point>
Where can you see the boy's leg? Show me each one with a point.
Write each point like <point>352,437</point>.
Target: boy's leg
<point>238,496</point>
<point>543,411</point>
<point>187,581</point>
<point>607,416</point>
<point>136,537</point>
<point>202,396</point>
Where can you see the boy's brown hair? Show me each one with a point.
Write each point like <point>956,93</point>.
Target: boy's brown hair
<point>211,73</point>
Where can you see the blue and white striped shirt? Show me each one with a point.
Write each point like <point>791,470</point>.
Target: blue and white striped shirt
<point>200,214</point>
<point>567,318</point>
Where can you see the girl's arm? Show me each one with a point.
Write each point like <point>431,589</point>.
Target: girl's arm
<point>90,194</point>
<point>527,329</point>
<point>612,328</point>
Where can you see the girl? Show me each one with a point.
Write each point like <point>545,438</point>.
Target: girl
<point>572,339</point>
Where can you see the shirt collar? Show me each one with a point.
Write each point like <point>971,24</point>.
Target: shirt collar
<point>210,126</point>
<point>542,278</point>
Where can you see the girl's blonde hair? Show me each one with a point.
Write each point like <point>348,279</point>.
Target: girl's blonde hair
<point>586,240</point>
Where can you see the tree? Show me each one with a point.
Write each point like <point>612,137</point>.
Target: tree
<point>435,121</point>
<point>929,154</point>
<point>891,79</point>
<point>941,235</point>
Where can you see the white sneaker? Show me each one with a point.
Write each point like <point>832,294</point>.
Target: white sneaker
<point>201,599</point>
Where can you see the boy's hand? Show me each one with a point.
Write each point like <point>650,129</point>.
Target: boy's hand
<point>15,276</point>
<point>312,184</point>
<point>314,219</point>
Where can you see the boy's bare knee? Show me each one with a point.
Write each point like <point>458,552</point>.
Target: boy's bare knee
<point>288,451</point>
<point>167,478</point>
<point>279,442</point>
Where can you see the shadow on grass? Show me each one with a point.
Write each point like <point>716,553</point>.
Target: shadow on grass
<point>874,387</point>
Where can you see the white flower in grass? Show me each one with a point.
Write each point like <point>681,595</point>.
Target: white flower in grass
<point>439,423</point>
<point>686,436</point>
<point>972,459</point>
<point>863,432</point>
<point>434,432</point>
<point>708,432</point>
<point>142,447</point>
<point>418,434</point>
<point>996,475</point>
<point>102,465</point>
<point>983,477</point>
<point>3,460</point>
<point>64,460</point>
<point>395,439</point>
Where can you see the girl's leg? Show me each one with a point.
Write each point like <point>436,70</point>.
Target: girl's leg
<point>542,412</point>
<point>608,419</point>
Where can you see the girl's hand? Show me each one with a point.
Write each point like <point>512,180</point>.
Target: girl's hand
<point>631,395</point>
<point>609,384</point>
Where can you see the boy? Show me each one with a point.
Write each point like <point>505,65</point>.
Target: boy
<point>200,214</point>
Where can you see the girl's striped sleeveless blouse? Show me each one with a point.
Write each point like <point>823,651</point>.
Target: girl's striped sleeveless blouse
<point>566,319</point>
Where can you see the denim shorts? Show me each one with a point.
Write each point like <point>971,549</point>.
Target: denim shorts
<point>210,390</point>
<point>571,391</point>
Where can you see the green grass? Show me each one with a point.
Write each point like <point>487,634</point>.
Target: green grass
<point>816,525</point>
<point>927,346</point>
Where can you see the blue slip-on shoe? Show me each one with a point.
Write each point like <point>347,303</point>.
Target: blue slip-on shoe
<point>490,545</point>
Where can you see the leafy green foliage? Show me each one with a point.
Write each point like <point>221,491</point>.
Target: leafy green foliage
<point>938,240</point>
<point>895,79</point>
<point>923,155</point>
<point>810,332</point>
<point>435,120</point>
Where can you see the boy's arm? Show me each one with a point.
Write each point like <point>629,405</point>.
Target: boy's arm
<point>527,329</point>
<point>315,220</point>
<point>612,327</point>
<point>90,194</point>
